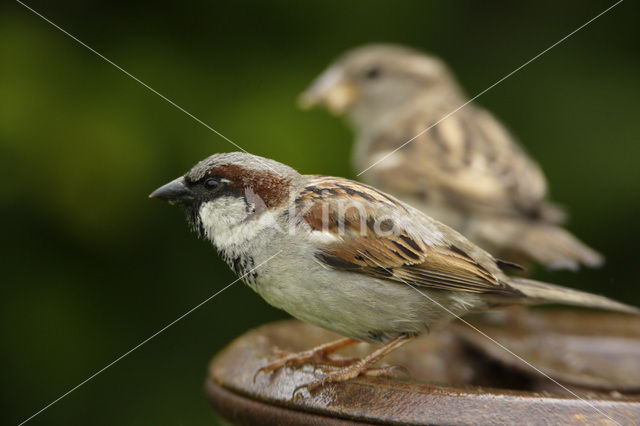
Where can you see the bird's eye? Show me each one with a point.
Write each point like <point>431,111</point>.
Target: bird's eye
<point>372,73</point>
<point>211,184</point>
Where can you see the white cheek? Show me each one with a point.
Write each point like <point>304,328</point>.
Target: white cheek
<point>226,223</point>
<point>219,214</point>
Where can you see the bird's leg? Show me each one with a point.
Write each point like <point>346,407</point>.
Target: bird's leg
<point>362,366</point>
<point>318,354</point>
<point>390,371</point>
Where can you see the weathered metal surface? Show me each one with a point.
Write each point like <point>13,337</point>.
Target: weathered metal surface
<point>456,375</point>
<point>591,350</point>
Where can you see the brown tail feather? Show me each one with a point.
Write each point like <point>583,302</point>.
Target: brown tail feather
<point>540,292</point>
<point>547,244</point>
<point>556,248</point>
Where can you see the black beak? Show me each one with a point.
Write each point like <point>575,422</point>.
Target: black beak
<point>175,192</point>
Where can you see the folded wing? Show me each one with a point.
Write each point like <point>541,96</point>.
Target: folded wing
<point>365,240</point>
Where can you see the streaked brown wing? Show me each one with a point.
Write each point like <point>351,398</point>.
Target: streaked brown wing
<point>398,256</point>
<point>467,160</point>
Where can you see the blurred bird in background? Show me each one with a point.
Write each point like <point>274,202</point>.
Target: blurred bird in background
<point>466,170</point>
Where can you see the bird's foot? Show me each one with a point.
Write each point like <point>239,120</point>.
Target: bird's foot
<point>348,373</point>
<point>362,366</point>
<point>319,355</point>
<point>311,356</point>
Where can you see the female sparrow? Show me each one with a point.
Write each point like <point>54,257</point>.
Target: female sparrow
<point>465,170</point>
<point>345,256</point>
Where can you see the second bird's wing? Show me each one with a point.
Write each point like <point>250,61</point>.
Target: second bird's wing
<point>468,161</point>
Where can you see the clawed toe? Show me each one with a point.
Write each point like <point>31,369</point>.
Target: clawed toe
<point>362,366</point>
<point>336,362</point>
<point>347,368</point>
<point>390,371</point>
<point>273,366</point>
<point>348,373</point>
<point>319,355</point>
<point>288,360</point>
<point>280,353</point>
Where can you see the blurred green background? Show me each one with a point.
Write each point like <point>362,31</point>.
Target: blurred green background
<point>91,267</point>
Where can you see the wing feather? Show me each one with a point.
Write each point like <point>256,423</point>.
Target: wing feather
<point>468,161</point>
<point>400,256</point>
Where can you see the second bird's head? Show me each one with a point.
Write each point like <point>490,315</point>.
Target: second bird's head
<point>369,82</point>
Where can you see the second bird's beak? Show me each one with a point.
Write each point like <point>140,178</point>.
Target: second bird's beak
<point>175,192</point>
<point>333,89</point>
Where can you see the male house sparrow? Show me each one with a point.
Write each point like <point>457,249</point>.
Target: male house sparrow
<point>466,171</point>
<point>345,256</point>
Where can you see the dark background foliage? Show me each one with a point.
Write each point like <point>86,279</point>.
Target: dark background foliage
<point>91,267</point>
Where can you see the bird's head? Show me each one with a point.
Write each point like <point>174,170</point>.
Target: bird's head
<point>370,81</point>
<point>226,190</point>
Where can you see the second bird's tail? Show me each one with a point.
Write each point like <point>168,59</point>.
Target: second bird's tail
<point>540,292</point>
